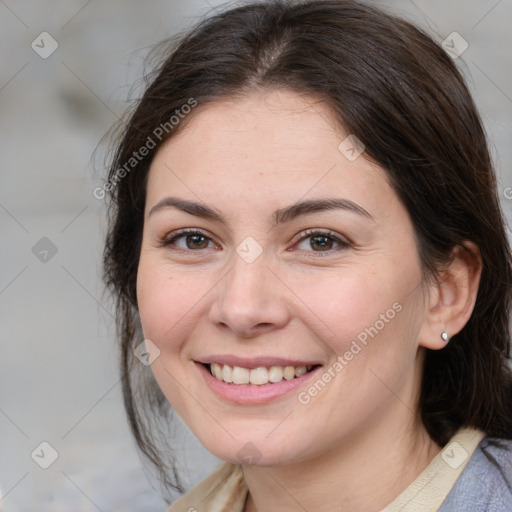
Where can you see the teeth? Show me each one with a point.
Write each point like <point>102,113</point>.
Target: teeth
<point>259,376</point>
<point>227,373</point>
<point>289,373</point>
<point>275,374</point>
<point>300,370</point>
<point>240,375</point>
<point>217,371</point>
<point>256,376</point>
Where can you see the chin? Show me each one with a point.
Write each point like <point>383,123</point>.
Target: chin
<point>256,451</point>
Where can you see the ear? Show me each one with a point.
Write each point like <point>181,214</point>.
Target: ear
<point>452,297</point>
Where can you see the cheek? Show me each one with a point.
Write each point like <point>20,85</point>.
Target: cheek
<point>343,303</point>
<point>165,302</point>
<point>373,320</point>
<point>370,313</point>
<point>168,312</point>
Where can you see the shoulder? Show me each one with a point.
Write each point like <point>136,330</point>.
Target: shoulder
<point>223,489</point>
<point>485,485</point>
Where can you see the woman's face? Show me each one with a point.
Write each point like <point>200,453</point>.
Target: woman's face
<point>268,245</point>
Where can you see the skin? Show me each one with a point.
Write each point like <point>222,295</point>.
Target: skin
<point>246,159</point>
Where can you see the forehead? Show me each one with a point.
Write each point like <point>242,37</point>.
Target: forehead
<point>267,148</point>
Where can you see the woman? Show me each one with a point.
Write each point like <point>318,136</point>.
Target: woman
<point>305,232</point>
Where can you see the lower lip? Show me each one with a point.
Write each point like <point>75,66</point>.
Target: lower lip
<point>246,394</point>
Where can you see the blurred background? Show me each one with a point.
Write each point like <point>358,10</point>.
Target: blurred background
<point>67,74</point>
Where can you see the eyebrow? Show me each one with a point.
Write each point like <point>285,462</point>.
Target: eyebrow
<point>280,216</point>
<point>289,213</point>
<point>197,209</point>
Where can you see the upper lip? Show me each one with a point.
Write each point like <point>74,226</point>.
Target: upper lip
<point>255,362</point>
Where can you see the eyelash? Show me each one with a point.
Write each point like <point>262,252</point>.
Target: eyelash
<point>309,233</point>
<point>312,233</point>
<point>170,239</point>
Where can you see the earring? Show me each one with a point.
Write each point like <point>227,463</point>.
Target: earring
<point>445,337</point>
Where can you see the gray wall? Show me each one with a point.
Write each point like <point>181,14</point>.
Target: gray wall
<point>58,377</point>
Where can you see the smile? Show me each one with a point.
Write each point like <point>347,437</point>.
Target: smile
<point>256,376</point>
<point>255,381</point>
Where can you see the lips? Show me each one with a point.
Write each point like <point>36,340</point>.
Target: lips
<point>259,393</point>
<point>255,380</point>
<point>255,362</point>
<point>259,376</point>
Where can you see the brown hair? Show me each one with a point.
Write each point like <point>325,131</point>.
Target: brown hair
<point>397,90</point>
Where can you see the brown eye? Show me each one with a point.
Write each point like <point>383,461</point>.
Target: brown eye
<point>321,243</point>
<point>188,240</point>
<point>314,241</point>
<point>196,241</point>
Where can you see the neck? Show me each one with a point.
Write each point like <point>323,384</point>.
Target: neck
<point>363,474</point>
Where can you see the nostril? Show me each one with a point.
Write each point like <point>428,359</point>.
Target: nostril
<point>263,325</point>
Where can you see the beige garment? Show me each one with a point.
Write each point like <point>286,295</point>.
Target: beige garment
<point>225,490</point>
<point>429,490</point>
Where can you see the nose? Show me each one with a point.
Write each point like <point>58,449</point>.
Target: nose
<point>250,300</point>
